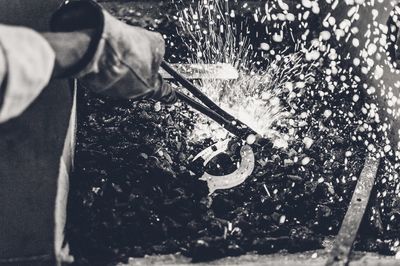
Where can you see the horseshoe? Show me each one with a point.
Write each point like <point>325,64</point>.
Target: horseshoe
<point>234,179</point>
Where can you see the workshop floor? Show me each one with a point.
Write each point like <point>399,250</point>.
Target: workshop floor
<point>308,258</point>
<point>303,259</point>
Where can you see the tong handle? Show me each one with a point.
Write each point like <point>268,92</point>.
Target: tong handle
<point>211,109</point>
<point>195,91</point>
<point>228,125</point>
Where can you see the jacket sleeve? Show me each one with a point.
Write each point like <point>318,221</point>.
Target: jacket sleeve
<point>26,66</point>
<point>122,61</point>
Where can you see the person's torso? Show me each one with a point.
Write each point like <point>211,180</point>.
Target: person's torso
<point>34,14</point>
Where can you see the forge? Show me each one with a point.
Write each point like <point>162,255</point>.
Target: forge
<point>318,80</point>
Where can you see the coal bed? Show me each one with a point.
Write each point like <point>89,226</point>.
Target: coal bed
<point>137,191</point>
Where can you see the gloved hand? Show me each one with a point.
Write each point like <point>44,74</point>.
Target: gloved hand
<point>122,61</point>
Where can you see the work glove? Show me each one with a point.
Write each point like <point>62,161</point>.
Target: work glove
<point>122,61</point>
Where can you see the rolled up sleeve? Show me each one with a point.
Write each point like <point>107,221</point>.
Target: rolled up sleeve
<point>26,65</point>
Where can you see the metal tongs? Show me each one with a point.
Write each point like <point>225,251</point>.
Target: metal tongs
<point>226,120</point>
<point>208,107</point>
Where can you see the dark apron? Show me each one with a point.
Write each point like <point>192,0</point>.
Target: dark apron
<point>35,158</point>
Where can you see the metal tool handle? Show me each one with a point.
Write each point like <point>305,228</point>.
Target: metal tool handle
<point>228,125</point>
<point>212,110</point>
<point>339,256</point>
